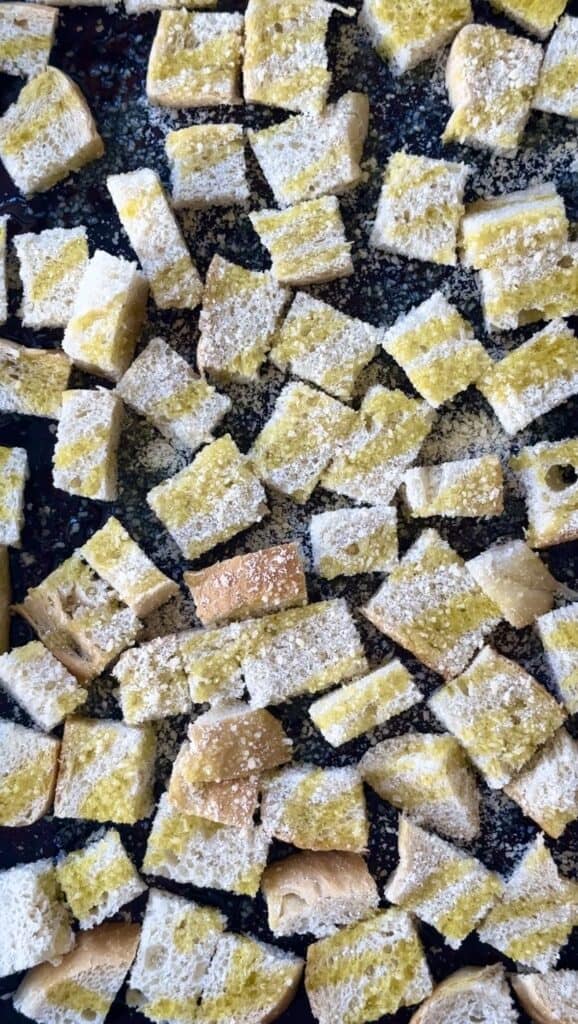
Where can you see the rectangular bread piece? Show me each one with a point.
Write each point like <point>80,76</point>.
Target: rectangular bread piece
<point>407,35</point>
<point>99,879</point>
<point>349,541</point>
<point>515,578</point>
<point>469,487</point>
<point>306,242</point>
<point>34,922</point>
<point>513,225</point>
<point>207,166</point>
<point>523,291</point>
<point>195,59</point>
<point>557,91</point>
<point>52,264</point>
<point>316,808</point>
<point>13,477</point>
<point>558,631</point>
<point>26,38</point>
<point>32,380</point>
<point>46,690</point>
<point>28,769</point>
<point>548,473</point>
<point>85,454</point>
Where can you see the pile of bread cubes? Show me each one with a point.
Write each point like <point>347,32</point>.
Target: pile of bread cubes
<point>235,786</point>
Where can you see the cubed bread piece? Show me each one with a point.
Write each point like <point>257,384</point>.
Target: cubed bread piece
<point>441,884</point>
<point>469,487</point>
<point>307,242</point>
<point>195,59</point>
<point>268,580</point>
<point>5,599</point>
<point>558,631</point>
<point>313,155</point>
<point>204,853</point>
<point>40,684</point>
<point>515,578</point>
<point>155,235</point>
<point>316,808</point>
<point>420,208</point>
<point>499,713</point>
<point>28,768</point>
<point>432,606</point>
<point>367,970</point>
<point>428,776</point>
<point>140,6</point>
<point>437,349</point>
<point>547,788</point>
<point>548,473</point>
<point>233,740</point>
<point>491,78</point>
<point>13,477</point>
<point>85,454</point>
<point>513,226</point>
<point>152,681</point>
<point>47,133</point>
<point>212,660</point>
<point>3,275</point>
<point>34,922</point>
<point>299,440</point>
<point>207,165</point>
<point>163,387</point>
<point>388,432</point>
<point>106,771</point>
<point>240,312</point>
<point>323,345</point>
<point>177,943</point>
<point>472,994</point>
<point>537,18</point>
<point>83,984</point>
<point>232,802</point>
<point>357,707</point>
<point>32,380</point>
<point>211,500</point>
<point>549,998</point>
<point>52,264</point>
<point>26,38</point>
<point>407,36</point>
<point>542,287</point>
<point>348,541</point>
<point>99,879</point>
<point>537,912</point>
<point>107,315</point>
<point>557,91</point>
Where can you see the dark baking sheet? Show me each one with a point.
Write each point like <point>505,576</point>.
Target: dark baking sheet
<point>106,54</point>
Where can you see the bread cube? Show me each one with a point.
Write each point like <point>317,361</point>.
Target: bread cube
<point>491,78</point>
<point>5,599</point>
<point>155,235</point>
<point>433,607</point>
<point>537,913</point>
<point>406,37</point>
<point>428,776</point>
<point>549,998</point>
<point>212,660</point>
<point>47,133</point>
<point>207,165</point>
<point>441,884</point>
<point>557,91</point>
<point>516,580</point>
<point>316,808</point>
<point>234,740</point>
<point>32,380</point>
<point>538,19</point>
<point>299,440</point>
<point>85,454</point>
<point>307,242</point>
<point>480,993</point>
<point>499,713</point>
<point>211,500</point>
<point>513,226</point>
<point>558,631</point>
<point>204,853</point>
<point>349,541</point>
<point>367,969</point>
<point>152,681</point>
<point>26,38</point>
<point>140,6</point>
<point>99,879</point>
<point>3,276</point>
<point>162,386</point>
<point>231,802</point>
<point>470,487</point>
<point>547,788</point>
<point>420,208</point>
<point>548,473</point>
<point>52,264</point>
<point>322,345</point>
<point>34,923</point>
<point>13,477</point>
<point>195,59</point>
<point>34,678</point>
<point>28,769</point>
<point>389,431</point>
<point>541,287</point>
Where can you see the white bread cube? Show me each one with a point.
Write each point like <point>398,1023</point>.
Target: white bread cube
<point>140,6</point>
<point>232,802</point>
<point>441,884</point>
<point>234,740</point>
<point>154,233</point>
<point>479,994</point>
<point>558,631</point>
<point>407,35</point>
<point>499,713</point>
<point>316,808</point>
<point>5,599</point>
<point>547,788</point>
<point>207,165</point>
<point>32,380</point>
<point>357,707</point>
<point>85,454</point>
<point>99,879</point>
<point>152,681</point>
<point>433,607</point>
<point>537,19</point>
<point>34,922</point>
<point>26,38</point>
<point>47,133</point>
<point>162,386</point>
<point>3,276</point>
<point>543,286</point>
<point>548,998</point>
<point>548,473</point>
<point>516,580</point>
<point>420,208</point>
<point>307,242</point>
<point>195,59</point>
<point>52,264</point>
<point>13,477</point>
<point>513,225</point>
<point>28,769</point>
<point>491,78</point>
<point>348,541</point>
<point>469,487</point>
<point>212,660</point>
<point>557,91</point>
<point>34,678</point>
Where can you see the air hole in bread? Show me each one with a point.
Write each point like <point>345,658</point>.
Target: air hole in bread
<point>558,478</point>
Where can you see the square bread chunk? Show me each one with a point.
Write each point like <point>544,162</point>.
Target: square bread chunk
<point>537,18</point>
<point>428,776</point>
<point>212,660</point>
<point>537,913</point>
<point>348,712</point>
<point>547,788</point>
<point>470,487</point>
<point>543,286</point>
<point>499,713</point>
<point>316,808</point>
<point>152,681</point>
<point>207,165</point>
<point>515,578</point>
<point>307,242</point>
<point>211,500</point>
<point>47,133</point>
<point>28,769</point>
<point>231,802</point>
<point>420,208</point>
<point>441,884</point>
<point>240,312</point>
<point>557,91</point>
<point>234,740</point>
<point>548,472</point>
<point>324,346</point>
<point>558,631</point>
<point>432,606</point>
<point>371,968</point>
<point>99,879</point>
<point>26,38</point>
<point>13,477</point>
<point>107,316</point>
<point>406,37</point>
<point>52,264</point>
<point>163,387</point>
<point>513,226</point>
<point>491,78</point>
<point>349,541</point>
<point>551,997</point>
<point>480,993</point>
<point>106,771</point>
<point>34,678</point>
<point>195,59</point>
<point>3,275</point>
<point>85,454</point>
<point>32,380</point>
<point>154,233</point>
<point>34,922</point>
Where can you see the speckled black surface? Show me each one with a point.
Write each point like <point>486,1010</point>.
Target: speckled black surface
<point>106,54</point>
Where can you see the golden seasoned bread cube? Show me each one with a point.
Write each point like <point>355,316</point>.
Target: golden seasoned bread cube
<point>547,788</point>
<point>515,578</point>
<point>52,264</point>
<point>46,690</point>
<point>26,38</point>
<point>307,242</point>
<point>536,18</point>
<point>85,454</point>
<point>349,541</point>
<point>407,35</point>
<point>512,226</point>
<point>99,879</point>
<point>13,477</point>
<point>207,165</point>
<point>523,291</point>
<point>548,472</point>
<point>548,998</point>
<point>557,91</point>
<point>558,631</point>
<point>316,808</point>
<point>469,487</point>
<point>28,769</point>
<point>34,922</point>
<point>32,380</point>
<point>231,802</point>
<point>481,994</point>
<point>233,740</point>
<point>195,59</point>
